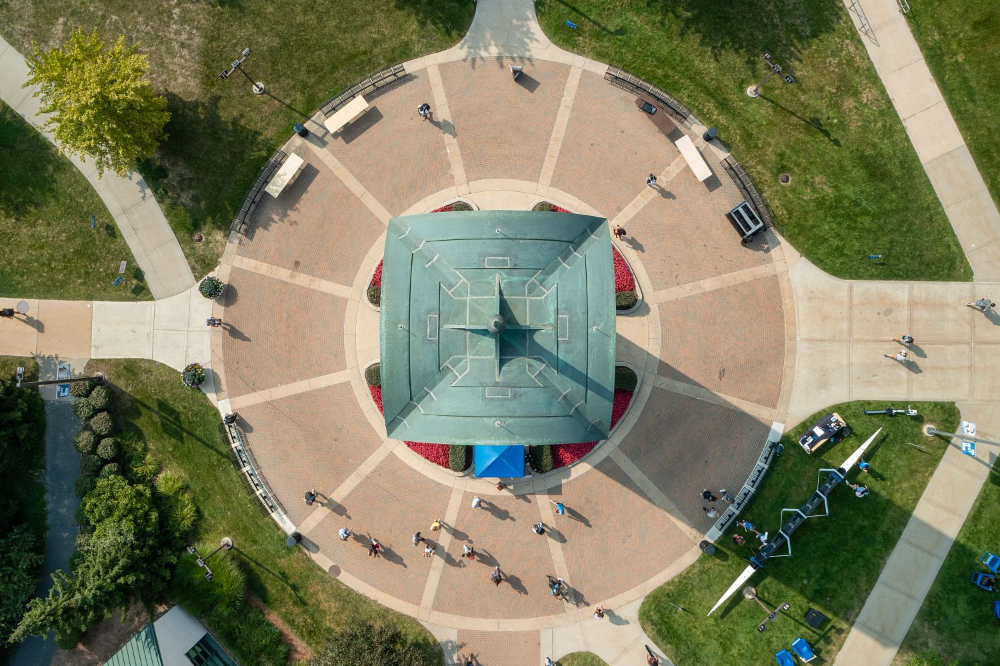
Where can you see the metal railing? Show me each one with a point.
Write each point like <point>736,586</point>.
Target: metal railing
<point>632,83</point>
<point>245,463</point>
<point>863,25</point>
<point>244,216</point>
<point>750,192</point>
<point>376,80</point>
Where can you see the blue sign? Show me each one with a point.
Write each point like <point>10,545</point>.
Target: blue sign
<point>62,390</point>
<point>969,448</point>
<point>93,222</point>
<point>118,281</point>
<point>571,24</point>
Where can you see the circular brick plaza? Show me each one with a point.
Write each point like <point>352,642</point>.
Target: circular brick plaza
<point>708,340</point>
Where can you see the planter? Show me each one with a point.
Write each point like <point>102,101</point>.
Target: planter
<point>193,375</point>
<point>211,287</point>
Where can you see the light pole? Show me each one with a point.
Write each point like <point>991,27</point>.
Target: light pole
<point>754,91</point>
<point>750,592</point>
<point>258,87</point>
<point>227,544</point>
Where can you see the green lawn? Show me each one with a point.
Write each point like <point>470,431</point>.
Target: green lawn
<point>836,559</point>
<point>956,620</point>
<point>581,659</point>
<point>857,187</point>
<point>220,133</point>
<point>49,249</point>
<point>181,428</point>
<point>959,41</point>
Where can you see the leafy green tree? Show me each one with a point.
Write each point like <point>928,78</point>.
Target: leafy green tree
<point>19,561</point>
<point>365,643</point>
<point>102,106</point>
<point>22,448</point>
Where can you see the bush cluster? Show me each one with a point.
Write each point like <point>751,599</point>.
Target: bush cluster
<point>375,295</point>
<point>102,424</point>
<point>108,448</point>
<point>193,375</point>
<point>83,409</point>
<point>86,441</point>
<point>100,398</point>
<point>111,469</point>
<point>625,300</point>
<point>211,287</point>
<point>460,206</point>
<point>89,465</point>
<point>541,458</point>
<point>81,389</point>
<point>83,485</point>
<point>542,206</point>
<point>625,379</point>
<point>458,457</point>
<point>373,375</point>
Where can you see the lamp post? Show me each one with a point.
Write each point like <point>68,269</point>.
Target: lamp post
<point>750,592</point>
<point>754,91</point>
<point>227,544</point>
<point>258,87</point>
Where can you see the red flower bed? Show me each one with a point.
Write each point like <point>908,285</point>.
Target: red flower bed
<point>623,276</point>
<point>377,275</point>
<point>566,454</point>
<point>436,453</point>
<point>442,209</point>
<point>559,209</point>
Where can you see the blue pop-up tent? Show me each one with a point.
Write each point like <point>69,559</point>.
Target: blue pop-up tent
<point>499,461</point>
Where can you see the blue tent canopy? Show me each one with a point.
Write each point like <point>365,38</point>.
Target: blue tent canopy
<point>499,461</point>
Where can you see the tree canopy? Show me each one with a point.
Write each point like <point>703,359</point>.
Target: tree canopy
<point>101,105</point>
<point>365,643</point>
<point>22,447</point>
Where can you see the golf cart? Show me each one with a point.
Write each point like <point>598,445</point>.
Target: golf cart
<point>830,428</point>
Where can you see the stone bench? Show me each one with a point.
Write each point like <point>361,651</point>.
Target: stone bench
<point>285,175</point>
<point>347,114</point>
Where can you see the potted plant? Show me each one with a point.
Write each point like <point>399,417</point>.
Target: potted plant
<point>211,287</point>
<point>193,375</point>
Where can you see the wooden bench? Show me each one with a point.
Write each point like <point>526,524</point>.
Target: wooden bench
<point>660,119</point>
<point>285,175</point>
<point>347,115</point>
<point>694,159</point>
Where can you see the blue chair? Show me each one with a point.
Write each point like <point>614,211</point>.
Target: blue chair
<point>784,658</point>
<point>802,649</point>
<point>979,579</point>
<point>991,561</point>
<point>996,609</point>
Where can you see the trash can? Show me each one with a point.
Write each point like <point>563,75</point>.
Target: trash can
<point>293,540</point>
<point>710,134</point>
<point>301,130</point>
<point>707,548</point>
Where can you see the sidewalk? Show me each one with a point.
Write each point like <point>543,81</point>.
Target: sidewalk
<point>935,136</point>
<point>128,199</point>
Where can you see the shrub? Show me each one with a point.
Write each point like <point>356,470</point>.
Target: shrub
<point>625,300</point>
<point>83,409</point>
<point>102,424</point>
<point>144,468</point>
<point>625,379</point>
<point>253,639</point>
<point>375,295</point>
<point>89,465</point>
<point>542,206</point>
<point>387,641</point>
<point>100,398</point>
<point>169,484</point>
<point>458,457</point>
<point>83,485</point>
<point>225,592</point>
<point>461,206</point>
<point>373,375</point>
<point>193,375</point>
<point>86,442</point>
<point>211,287</point>
<point>541,458</point>
<point>108,448</point>
<point>111,469</point>
<point>81,389</point>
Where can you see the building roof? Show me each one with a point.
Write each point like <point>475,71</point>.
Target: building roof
<point>498,328</point>
<point>142,650</point>
<point>499,461</point>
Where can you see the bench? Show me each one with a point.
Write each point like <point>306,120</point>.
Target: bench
<point>346,115</point>
<point>660,119</point>
<point>745,221</point>
<point>285,175</point>
<point>694,159</point>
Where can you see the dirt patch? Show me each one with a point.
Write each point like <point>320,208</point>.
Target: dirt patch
<point>102,641</point>
<point>300,651</point>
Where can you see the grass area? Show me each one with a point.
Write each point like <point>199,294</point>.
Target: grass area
<point>956,620</point>
<point>220,133</point>
<point>181,428</point>
<point>49,249</point>
<point>836,559</point>
<point>958,39</point>
<point>857,187</point>
<point>581,659</point>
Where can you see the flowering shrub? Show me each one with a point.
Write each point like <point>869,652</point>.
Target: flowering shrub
<point>436,453</point>
<point>193,375</point>
<point>455,206</point>
<point>566,454</point>
<point>211,287</point>
<point>377,275</point>
<point>623,275</point>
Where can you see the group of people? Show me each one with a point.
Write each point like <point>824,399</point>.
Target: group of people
<point>711,497</point>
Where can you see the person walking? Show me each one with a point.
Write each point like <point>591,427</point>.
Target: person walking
<point>763,538</point>
<point>549,662</point>
<point>619,232</point>
<point>599,612</point>
<point>651,181</point>
<point>747,526</point>
<point>865,467</point>
<point>428,549</point>
<point>424,111</point>
<point>345,533</point>
<point>738,539</point>
<point>310,497</point>
<point>560,509</point>
<point>901,356</point>
<point>539,528</point>
<point>710,512</point>
<point>468,552</point>
<point>213,322</point>
<point>374,547</point>
<point>726,496</point>
<point>477,502</point>
<point>984,305</point>
<point>417,539</point>
<point>555,586</point>
<point>496,576</point>
<point>436,525</point>
<point>707,495</point>
<point>905,340</point>
<point>501,486</point>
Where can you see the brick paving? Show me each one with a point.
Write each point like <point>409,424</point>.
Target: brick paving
<point>503,128</point>
<point>729,340</point>
<point>391,503</point>
<point>312,208</point>
<point>609,136</point>
<point>502,535</point>
<point>500,648</point>
<point>397,156</point>
<point>314,439</point>
<point>685,445</point>
<point>278,333</point>
<point>608,529</point>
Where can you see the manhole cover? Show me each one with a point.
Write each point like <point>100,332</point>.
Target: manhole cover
<point>334,571</point>
<point>197,237</point>
<point>784,179</point>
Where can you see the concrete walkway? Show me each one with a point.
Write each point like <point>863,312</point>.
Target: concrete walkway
<point>935,136</point>
<point>128,198</point>
<point>62,466</point>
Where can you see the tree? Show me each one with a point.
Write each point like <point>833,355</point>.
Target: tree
<point>22,447</point>
<point>18,564</point>
<point>365,643</point>
<point>101,105</point>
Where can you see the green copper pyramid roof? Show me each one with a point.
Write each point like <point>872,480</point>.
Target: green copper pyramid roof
<point>498,327</point>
